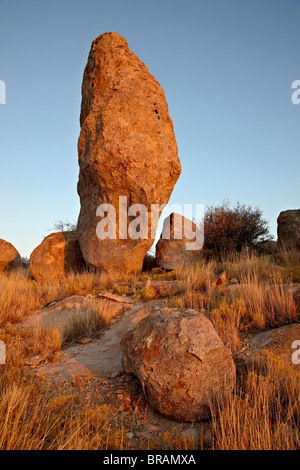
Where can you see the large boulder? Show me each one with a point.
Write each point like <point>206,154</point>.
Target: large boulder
<point>178,236</point>
<point>9,256</point>
<point>180,361</point>
<point>57,255</point>
<point>288,229</point>
<point>127,148</point>
<point>283,342</point>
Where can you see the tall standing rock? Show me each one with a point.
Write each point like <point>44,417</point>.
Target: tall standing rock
<point>126,147</point>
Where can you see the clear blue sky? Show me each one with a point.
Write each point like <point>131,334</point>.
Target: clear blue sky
<point>226,67</point>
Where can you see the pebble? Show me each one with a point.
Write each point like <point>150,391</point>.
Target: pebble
<point>114,375</point>
<point>84,340</point>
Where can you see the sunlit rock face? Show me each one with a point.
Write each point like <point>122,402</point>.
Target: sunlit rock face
<point>179,242</point>
<point>57,256</point>
<point>180,361</point>
<point>9,257</point>
<point>127,148</point>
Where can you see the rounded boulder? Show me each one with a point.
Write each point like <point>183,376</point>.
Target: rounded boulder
<point>180,361</point>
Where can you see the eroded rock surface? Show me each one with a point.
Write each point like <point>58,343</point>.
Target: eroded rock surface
<point>102,356</point>
<point>57,255</point>
<point>288,229</point>
<point>178,235</point>
<point>9,256</point>
<point>180,361</point>
<point>283,342</point>
<point>65,312</point>
<point>127,148</point>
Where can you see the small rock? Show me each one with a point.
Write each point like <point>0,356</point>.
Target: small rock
<point>208,435</point>
<point>84,340</point>
<point>223,279</point>
<point>58,353</point>
<point>115,375</point>
<point>115,298</point>
<point>34,361</point>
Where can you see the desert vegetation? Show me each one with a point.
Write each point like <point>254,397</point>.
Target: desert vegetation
<point>242,294</point>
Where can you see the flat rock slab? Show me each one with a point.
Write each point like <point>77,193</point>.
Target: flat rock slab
<point>115,298</point>
<point>278,341</point>
<point>102,357</point>
<point>62,312</point>
<point>66,369</point>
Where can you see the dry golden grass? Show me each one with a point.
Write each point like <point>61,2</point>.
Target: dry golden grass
<point>289,256</point>
<point>32,419</point>
<point>20,296</point>
<point>246,264</point>
<point>259,300</point>
<point>42,341</point>
<point>197,276</point>
<point>272,300</point>
<point>146,293</point>
<point>45,341</point>
<point>172,440</point>
<point>263,413</point>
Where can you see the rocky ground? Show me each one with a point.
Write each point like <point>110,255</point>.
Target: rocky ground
<point>91,364</point>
